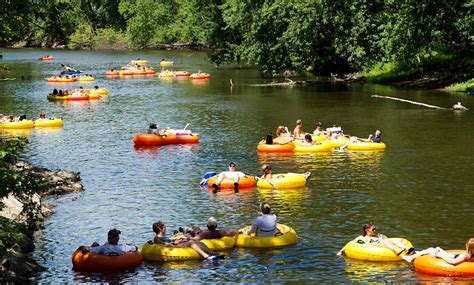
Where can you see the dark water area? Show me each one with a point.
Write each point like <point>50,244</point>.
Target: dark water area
<point>421,188</point>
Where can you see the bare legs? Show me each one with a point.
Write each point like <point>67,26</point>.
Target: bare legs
<point>433,251</point>
<point>395,246</point>
<point>199,247</point>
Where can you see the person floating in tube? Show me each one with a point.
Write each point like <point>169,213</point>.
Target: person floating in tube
<point>370,236</point>
<point>450,258</point>
<point>232,174</point>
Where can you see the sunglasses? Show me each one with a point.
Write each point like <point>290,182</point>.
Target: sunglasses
<point>231,165</point>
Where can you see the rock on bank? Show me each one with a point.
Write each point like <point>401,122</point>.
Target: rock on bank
<point>18,266</point>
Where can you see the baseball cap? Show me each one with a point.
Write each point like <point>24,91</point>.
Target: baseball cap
<point>212,222</point>
<point>113,233</point>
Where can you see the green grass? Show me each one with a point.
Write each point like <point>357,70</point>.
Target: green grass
<point>387,72</point>
<point>462,86</point>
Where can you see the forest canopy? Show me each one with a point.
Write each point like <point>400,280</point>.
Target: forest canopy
<point>321,36</point>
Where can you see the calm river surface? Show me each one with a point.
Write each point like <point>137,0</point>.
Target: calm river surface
<point>420,188</point>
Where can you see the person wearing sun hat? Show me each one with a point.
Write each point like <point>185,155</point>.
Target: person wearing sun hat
<point>112,247</point>
<point>213,233</point>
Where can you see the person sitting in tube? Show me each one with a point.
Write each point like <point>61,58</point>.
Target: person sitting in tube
<point>298,132</point>
<point>467,256</point>
<point>269,139</point>
<point>42,117</point>
<point>232,174</point>
<point>265,224</point>
<point>377,138</point>
<point>112,247</point>
<point>283,136</point>
<point>153,129</point>
<point>267,175</point>
<point>370,236</point>
<point>213,233</point>
<point>319,130</point>
<point>308,140</point>
<point>181,240</point>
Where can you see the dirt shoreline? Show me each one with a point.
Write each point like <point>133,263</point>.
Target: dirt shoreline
<point>19,266</point>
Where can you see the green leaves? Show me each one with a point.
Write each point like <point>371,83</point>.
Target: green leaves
<point>14,182</point>
<point>324,36</point>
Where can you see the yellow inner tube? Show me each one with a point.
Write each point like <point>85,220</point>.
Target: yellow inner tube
<point>166,74</point>
<point>166,63</point>
<point>48,123</point>
<point>94,95</point>
<point>319,138</point>
<point>25,124</point>
<point>220,244</point>
<point>139,62</point>
<point>100,91</point>
<point>339,141</point>
<point>52,97</point>
<point>288,180</point>
<point>366,146</point>
<point>374,251</point>
<point>323,146</point>
<point>88,78</point>
<point>287,237</point>
<point>160,252</point>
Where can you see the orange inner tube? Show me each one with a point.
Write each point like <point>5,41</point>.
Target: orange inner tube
<point>96,262</point>
<point>182,73</point>
<point>150,139</point>
<point>77,98</point>
<point>112,73</point>
<point>436,266</point>
<point>275,147</point>
<point>200,76</point>
<point>244,182</point>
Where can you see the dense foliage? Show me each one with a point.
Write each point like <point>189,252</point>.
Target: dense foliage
<point>322,36</point>
<point>20,185</point>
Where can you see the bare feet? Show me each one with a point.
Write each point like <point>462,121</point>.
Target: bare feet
<point>407,258</point>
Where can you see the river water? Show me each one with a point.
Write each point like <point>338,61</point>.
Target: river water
<point>420,188</point>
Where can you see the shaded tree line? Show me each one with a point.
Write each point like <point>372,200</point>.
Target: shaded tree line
<point>321,36</point>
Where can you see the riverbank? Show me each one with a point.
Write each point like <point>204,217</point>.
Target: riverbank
<point>435,73</point>
<point>17,266</point>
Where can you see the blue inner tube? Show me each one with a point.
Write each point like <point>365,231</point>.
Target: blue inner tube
<point>206,176</point>
<point>71,72</point>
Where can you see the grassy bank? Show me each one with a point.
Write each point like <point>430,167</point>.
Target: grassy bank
<point>467,86</point>
<point>440,72</point>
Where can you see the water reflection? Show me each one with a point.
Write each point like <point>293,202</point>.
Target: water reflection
<point>121,277</point>
<point>11,133</point>
<point>364,271</point>
<point>291,197</point>
<point>413,189</point>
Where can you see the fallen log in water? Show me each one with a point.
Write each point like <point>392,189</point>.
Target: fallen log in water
<point>411,102</point>
<point>291,83</point>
